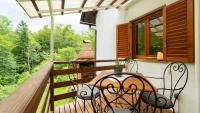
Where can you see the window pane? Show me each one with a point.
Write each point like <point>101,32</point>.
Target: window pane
<point>140,39</point>
<point>156,35</point>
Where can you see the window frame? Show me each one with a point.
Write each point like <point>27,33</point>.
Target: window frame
<point>146,20</point>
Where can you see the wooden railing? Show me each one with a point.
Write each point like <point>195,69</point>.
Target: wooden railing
<point>72,70</point>
<point>27,97</point>
<point>37,89</point>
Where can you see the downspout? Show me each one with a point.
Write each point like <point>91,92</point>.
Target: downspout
<point>197,53</point>
<point>95,38</point>
<point>52,30</point>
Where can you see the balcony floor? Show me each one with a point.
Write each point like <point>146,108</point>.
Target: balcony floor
<point>69,108</point>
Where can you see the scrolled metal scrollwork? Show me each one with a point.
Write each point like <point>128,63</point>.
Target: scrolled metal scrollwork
<point>177,76</point>
<point>119,92</point>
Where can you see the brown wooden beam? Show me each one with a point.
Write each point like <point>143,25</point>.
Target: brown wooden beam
<point>64,96</point>
<point>83,4</point>
<point>124,2</point>
<point>51,91</point>
<point>113,2</point>
<point>44,105</point>
<point>69,83</point>
<point>36,8</point>
<point>82,70</point>
<point>62,6</point>
<point>100,2</point>
<point>28,96</point>
<point>70,62</point>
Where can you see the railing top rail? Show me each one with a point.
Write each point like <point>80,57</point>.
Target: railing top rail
<point>69,62</point>
<point>27,97</point>
<point>83,70</point>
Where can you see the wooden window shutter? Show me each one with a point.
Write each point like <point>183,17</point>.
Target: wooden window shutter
<point>179,31</point>
<point>124,32</point>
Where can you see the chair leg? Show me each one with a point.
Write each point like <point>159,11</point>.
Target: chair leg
<point>173,110</point>
<point>75,104</point>
<point>84,105</point>
<point>147,108</point>
<point>139,106</point>
<point>160,110</point>
<point>116,101</point>
<point>94,103</point>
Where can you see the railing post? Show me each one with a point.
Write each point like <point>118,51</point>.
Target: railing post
<point>51,91</point>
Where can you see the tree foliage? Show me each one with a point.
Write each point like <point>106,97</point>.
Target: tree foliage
<point>5,25</point>
<point>22,52</point>
<point>7,66</point>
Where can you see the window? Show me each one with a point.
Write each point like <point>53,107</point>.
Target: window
<point>169,30</point>
<point>148,35</point>
<point>140,38</point>
<point>156,35</point>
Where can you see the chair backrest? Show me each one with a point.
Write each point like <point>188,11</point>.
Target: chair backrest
<point>118,93</point>
<point>175,77</point>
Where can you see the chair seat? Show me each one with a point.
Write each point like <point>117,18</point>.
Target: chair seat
<point>85,92</point>
<point>162,101</point>
<point>120,110</point>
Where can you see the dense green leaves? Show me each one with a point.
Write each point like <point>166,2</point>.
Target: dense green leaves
<point>23,52</point>
<point>5,25</point>
<point>7,66</point>
<point>43,38</point>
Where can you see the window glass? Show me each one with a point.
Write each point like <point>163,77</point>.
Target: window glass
<point>140,38</point>
<point>156,35</point>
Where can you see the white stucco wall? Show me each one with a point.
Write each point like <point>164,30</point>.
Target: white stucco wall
<point>143,7</point>
<point>106,47</point>
<point>197,54</point>
<point>106,32</point>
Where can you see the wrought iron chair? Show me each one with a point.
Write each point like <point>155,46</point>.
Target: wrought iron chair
<point>83,92</point>
<point>174,79</point>
<point>128,94</point>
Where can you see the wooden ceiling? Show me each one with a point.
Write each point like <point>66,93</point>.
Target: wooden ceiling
<point>39,8</point>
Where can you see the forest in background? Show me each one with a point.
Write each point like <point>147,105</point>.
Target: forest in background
<point>23,52</point>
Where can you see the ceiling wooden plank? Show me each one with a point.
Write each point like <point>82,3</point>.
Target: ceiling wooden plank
<point>82,5</point>
<point>113,2</point>
<point>23,8</point>
<point>74,9</point>
<point>100,2</point>
<point>62,6</point>
<point>36,8</point>
<point>124,2</point>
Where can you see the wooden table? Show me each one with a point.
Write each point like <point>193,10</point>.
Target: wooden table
<point>126,84</point>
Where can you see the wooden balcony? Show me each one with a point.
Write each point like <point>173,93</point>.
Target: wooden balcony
<point>37,94</point>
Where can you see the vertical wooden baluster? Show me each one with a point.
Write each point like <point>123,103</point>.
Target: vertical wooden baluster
<point>52,91</point>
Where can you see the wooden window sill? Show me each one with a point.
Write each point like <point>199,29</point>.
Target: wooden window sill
<point>149,59</point>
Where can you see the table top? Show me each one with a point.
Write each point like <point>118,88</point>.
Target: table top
<point>126,84</point>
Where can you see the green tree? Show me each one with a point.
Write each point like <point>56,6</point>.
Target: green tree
<point>34,49</point>
<point>65,37</point>
<point>43,38</point>
<point>65,54</point>
<point>90,35</point>
<point>21,50</point>
<point>5,25</point>
<point>7,66</point>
